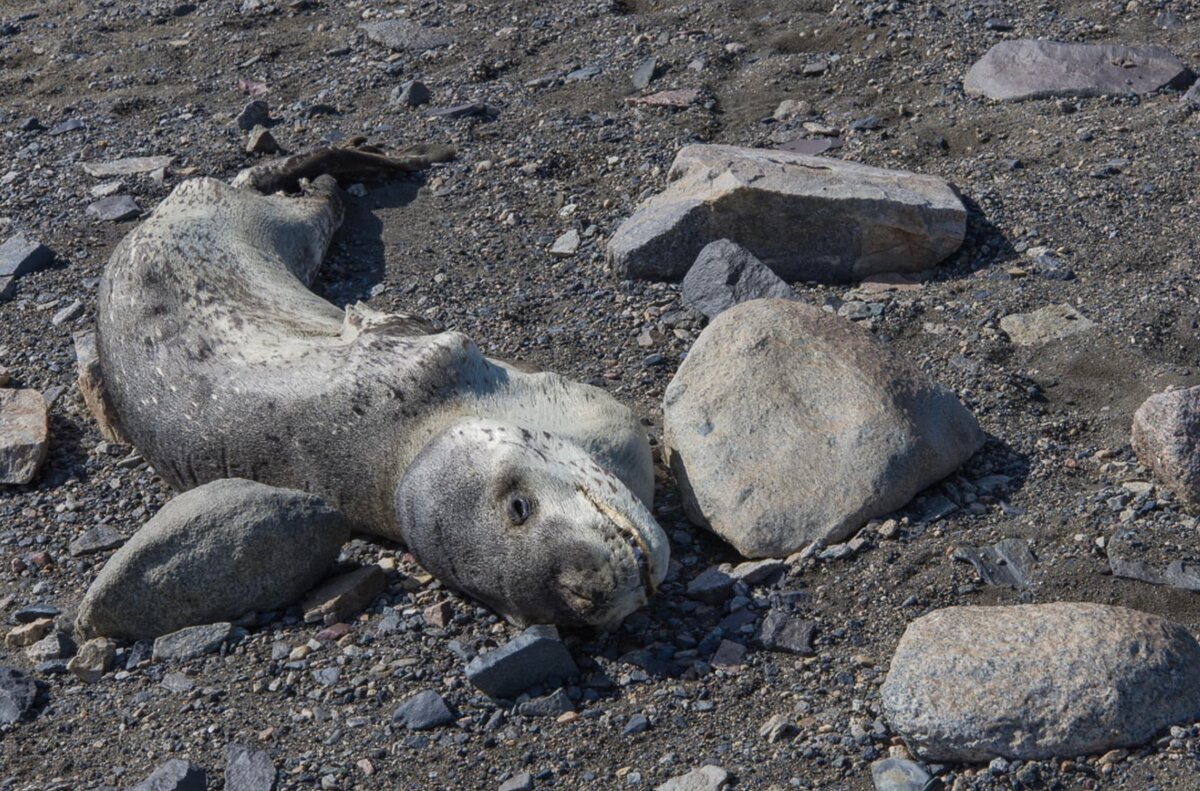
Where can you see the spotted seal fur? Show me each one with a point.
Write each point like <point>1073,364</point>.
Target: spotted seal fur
<point>527,491</point>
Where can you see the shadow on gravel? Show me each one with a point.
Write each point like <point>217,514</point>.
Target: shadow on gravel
<point>356,260</point>
<point>985,245</point>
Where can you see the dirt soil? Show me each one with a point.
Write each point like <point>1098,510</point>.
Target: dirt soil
<point>467,246</point>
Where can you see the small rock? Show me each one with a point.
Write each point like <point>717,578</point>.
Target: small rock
<point>69,125</point>
<point>130,166</point>
<point>898,774</point>
<point>1051,323</point>
<point>729,654</point>
<point>24,435</point>
<point>777,729</point>
<point>255,113</point>
<point>712,586</point>
<point>781,631</point>
<point>726,274</point>
<point>19,256</point>
<point>191,642</point>
<point>178,683</point>
<point>636,724</point>
<point>175,775</point>
<point>247,769</point>
<point>423,711</point>
<point>344,595</point>
<point>757,572</point>
<point>95,658</point>
<point>566,245</point>
<point>115,208</point>
<point>680,99</point>
<point>550,705</point>
<point>18,692</point>
<point>402,35</point>
<point>55,645</point>
<point>69,313</point>
<point>1007,563</point>
<point>530,659</point>
<point>35,612</point>
<point>643,75</point>
<point>90,381</point>
<point>413,93</point>
<point>519,782</point>
<point>261,141</point>
<point>1166,438</point>
<point>439,614</point>
<point>29,633</point>
<point>706,778</point>
<point>96,539</point>
<point>469,110</point>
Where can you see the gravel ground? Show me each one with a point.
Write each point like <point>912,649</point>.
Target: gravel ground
<point>1105,184</point>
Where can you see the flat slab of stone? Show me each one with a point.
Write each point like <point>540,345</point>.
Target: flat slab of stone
<point>175,775</point>
<point>115,208</point>
<point>20,256</point>
<point>130,166</point>
<point>1028,69</point>
<point>1051,323</point>
<point>529,659</point>
<point>248,769</point>
<point>706,778</point>
<point>807,218</point>
<point>1038,681</point>
<point>423,711</point>
<point>726,274</point>
<point>771,382</point>
<point>100,538</point>
<point>24,435</point>
<point>1166,439</point>
<point>402,35</point>
<point>212,554</point>
<point>344,595</point>
<point>192,642</point>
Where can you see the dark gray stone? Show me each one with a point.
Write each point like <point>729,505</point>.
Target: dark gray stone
<point>529,659</point>
<point>402,35</point>
<point>1028,69</point>
<point>96,539</point>
<point>898,774</point>
<point>712,586</point>
<point>781,631</point>
<point>636,724</point>
<point>550,705</point>
<point>19,256</point>
<point>115,208</point>
<point>175,775</point>
<point>69,125</point>
<point>255,113</point>
<point>518,782</point>
<point>247,769</point>
<point>192,642</point>
<point>1008,563</point>
<point>643,75</point>
<point>469,110</point>
<point>413,93</point>
<point>725,274</point>
<point>17,695</point>
<point>34,612</point>
<point>423,711</point>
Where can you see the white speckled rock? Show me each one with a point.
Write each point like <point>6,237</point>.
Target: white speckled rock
<point>805,217</point>
<point>787,425</point>
<point>1166,438</point>
<point>1039,681</point>
<point>213,554</point>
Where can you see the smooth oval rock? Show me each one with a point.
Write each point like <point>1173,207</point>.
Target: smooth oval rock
<point>786,425</point>
<point>1028,69</point>
<point>213,554</point>
<point>1039,681</point>
<point>1166,438</point>
<point>805,217</point>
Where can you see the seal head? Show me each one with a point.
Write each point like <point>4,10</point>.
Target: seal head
<point>528,523</point>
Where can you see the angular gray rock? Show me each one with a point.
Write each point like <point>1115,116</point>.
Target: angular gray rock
<point>115,208</point>
<point>24,435</point>
<point>255,113</point>
<point>100,538</point>
<point>550,705</point>
<point>706,778</point>
<point>1008,563</point>
<point>1039,681</point>
<point>247,769</point>
<point>781,631</point>
<point>713,586</point>
<point>94,659</point>
<point>130,166</point>
<point>518,782</point>
<point>55,645</point>
<point>175,775</point>
<point>726,274</point>
<point>343,595</point>
<point>529,659</point>
<point>213,554</point>
<point>771,382</point>
<point>806,218</point>
<point>191,642</point>
<point>413,93</point>
<point>898,774</point>
<point>19,256</point>
<point>423,711</point>
<point>1051,323</point>
<point>17,695</point>
<point>1028,69</point>
<point>1166,439</point>
<point>402,35</point>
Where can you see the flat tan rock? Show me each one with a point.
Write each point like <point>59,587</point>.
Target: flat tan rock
<point>1051,323</point>
<point>24,435</point>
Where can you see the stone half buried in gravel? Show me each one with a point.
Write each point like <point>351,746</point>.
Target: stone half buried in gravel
<point>24,435</point>
<point>423,711</point>
<point>787,426</point>
<point>191,642</point>
<point>213,554</point>
<point>726,274</point>
<point>898,774</point>
<point>806,218</point>
<point>706,778</point>
<point>402,35</point>
<point>530,659</point>
<point>115,208</point>
<point>1027,69</point>
<point>1166,438</point>
<point>247,769</point>
<point>1051,323</point>
<point>1039,681</point>
<point>175,775</point>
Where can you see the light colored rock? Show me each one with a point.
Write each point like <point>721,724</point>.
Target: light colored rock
<point>806,218</point>
<point>115,208</point>
<point>786,425</point>
<point>1166,438</point>
<point>706,778</point>
<point>1027,69</point>
<point>403,35</point>
<point>126,167</point>
<point>726,274</point>
<point>55,645</point>
<point>191,642</point>
<point>213,554</point>
<point>566,245</point>
<point>91,386</point>
<point>24,435</point>
<point>1051,323</point>
<point>95,658</point>
<point>898,774</point>
<point>344,595</point>
<point>1039,681</point>
<point>29,633</point>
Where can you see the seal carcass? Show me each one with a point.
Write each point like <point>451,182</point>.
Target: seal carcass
<point>528,491</point>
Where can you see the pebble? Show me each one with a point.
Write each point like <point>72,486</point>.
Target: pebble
<point>550,705</point>
<point>261,141</point>
<point>20,256</point>
<point>713,586</point>
<point>566,245</point>
<point>69,313</point>
<point>94,658</point>
<point>898,774</point>
<point>255,113</point>
<point>55,645</point>
<point>706,778</point>
<point>129,166</point>
<point>644,73</point>
<point>100,538</point>
<point>115,208</point>
<point>29,633</point>
<point>175,775</point>
<point>636,724</point>
<point>518,782</point>
<point>423,711</point>
<point>781,631</point>
<point>413,93</point>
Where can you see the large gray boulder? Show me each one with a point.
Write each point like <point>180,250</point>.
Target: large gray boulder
<point>1166,438</point>
<point>726,274</point>
<point>786,425</point>
<point>805,217</point>
<point>213,554</point>
<point>1027,69</point>
<point>1039,681</point>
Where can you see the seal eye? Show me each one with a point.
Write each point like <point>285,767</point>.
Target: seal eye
<point>518,509</point>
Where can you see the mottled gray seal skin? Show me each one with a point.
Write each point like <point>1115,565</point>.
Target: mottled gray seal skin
<point>527,491</point>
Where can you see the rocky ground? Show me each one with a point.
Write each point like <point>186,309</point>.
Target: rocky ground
<point>1105,185</point>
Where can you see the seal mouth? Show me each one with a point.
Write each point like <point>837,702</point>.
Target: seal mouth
<point>633,539</point>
